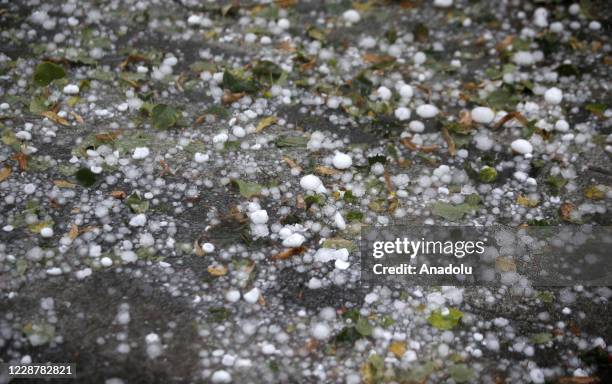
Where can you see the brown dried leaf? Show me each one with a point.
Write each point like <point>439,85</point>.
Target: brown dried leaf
<point>288,253</point>
<point>22,160</point>
<point>55,118</point>
<point>108,137</point>
<point>325,171</point>
<point>77,117</point>
<point>132,59</point>
<point>578,380</point>
<point>509,116</point>
<point>118,194</point>
<point>74,231</point>
<point>5,173</point>
<point>505,264</point>
<point>449,141</point>
<point>505,43</point>
<point>372,58</point>
<point>565,211</point>
<point>292,163</point>
<point>229,97</point>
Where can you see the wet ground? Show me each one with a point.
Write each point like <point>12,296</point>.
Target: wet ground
<point>132,242</point>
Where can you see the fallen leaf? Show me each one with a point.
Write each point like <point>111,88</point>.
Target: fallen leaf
<point>509,116</point>
<point>77,117</point>
<point>118,194</point>
<point>505,264</point>
<point>22,160</point>
<point>229,97</point>
<point>265,123</point>
<point>55,118</point>
<point>5,173</point>
<point>398,349</point>
<point>578,380</point>
<point>197,248</point>
<point>74,231</point>
<point>565,211</point>
<point>325,171</point>
<point>132,59</point>
<point>108,137</point>
<point>449,141</point>
<point>373,58</point>
<point>64,184</point>
<point>288,253</point>
<point>217,270</point>
<point>292,163</point>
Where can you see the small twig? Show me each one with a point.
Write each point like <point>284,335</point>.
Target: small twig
<point>449,141</point>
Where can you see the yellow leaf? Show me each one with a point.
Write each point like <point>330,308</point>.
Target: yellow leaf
<point>5,172</point>
<point>594,192</point>
<point>526,202</point>
<point>64,184</point>
<point>54,117</point>
<point>217,270</point>
<point>398,349</point>
<point>265,123</point>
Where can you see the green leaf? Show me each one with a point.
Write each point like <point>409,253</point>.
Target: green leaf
<point>461,373</point>
<point>421,33</point>
<point>164,116</point>
<point>236,85</point>
<point>39,104</point>
<point>348,335</point>
<point>541,338</point>
<point>136,203</point>
<point>556,183</point>
<point>85,177</point>
<point>267,70</point>
<point>314,199</point>
<point>247,189</point>
<point>291,141</point>
<point>46,72</point>
<point>488,174</point>
<point>452,212</point>
<point>354,216</point>
<point>364,327</point>
<point>501,98</point>
<point>445,322</point>
<point>315,33</point>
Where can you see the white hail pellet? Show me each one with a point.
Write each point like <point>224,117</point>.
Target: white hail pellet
<point>312,183</point>
<point>71,89</point>
<point>402,113</point>
<point>553,96</point>
<point>342,160</point>
<point>140,153</point>
<point>351,16</point>
<point>427,111</point>
<point>521,146</point>
<point>483,115</point>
